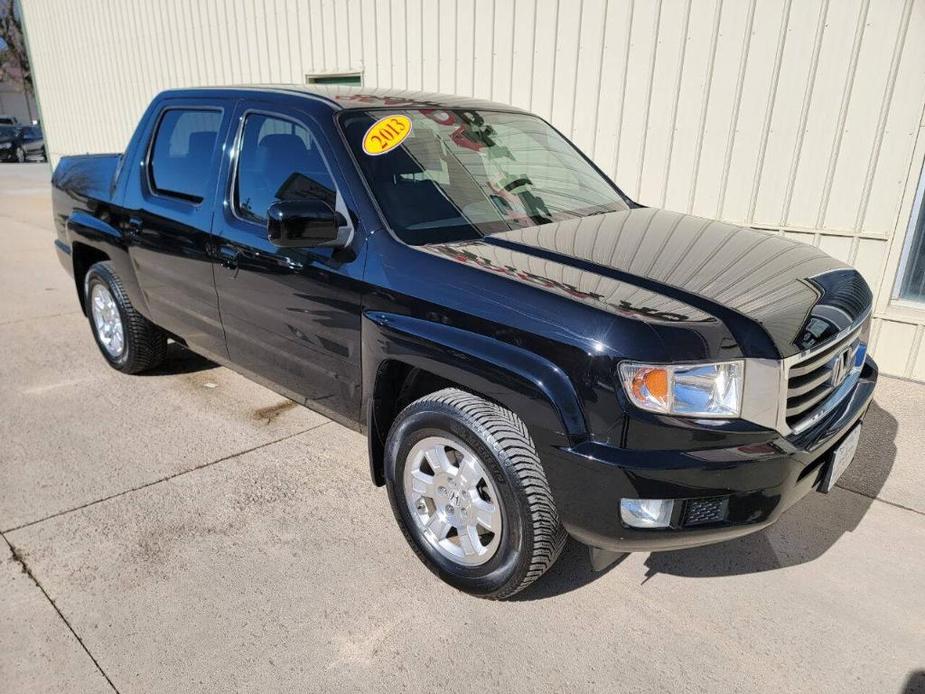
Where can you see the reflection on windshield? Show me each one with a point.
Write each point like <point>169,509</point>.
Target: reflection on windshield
<point>461,174</point>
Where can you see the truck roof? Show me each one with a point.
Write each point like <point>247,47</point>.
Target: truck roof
<point>344,97</point>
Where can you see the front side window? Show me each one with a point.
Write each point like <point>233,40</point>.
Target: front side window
<point>461,174</point>
<point>181,157</point>
<point>278,160</point>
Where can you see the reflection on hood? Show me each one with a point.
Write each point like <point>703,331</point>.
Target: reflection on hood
<point>797,293</point>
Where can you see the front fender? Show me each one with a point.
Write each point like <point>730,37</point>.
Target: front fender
<point>536,389</point>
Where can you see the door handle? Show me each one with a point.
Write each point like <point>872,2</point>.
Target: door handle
<point>228,257</point>
<point>292,264</point>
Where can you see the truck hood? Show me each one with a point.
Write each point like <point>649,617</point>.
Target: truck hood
<point>776,296</point>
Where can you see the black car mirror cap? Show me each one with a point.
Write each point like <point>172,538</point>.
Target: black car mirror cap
<point>308,223</point>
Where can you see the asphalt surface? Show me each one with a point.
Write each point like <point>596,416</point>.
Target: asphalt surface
<point>191,531</point>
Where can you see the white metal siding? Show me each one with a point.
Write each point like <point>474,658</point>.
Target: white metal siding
<point>800,116</point>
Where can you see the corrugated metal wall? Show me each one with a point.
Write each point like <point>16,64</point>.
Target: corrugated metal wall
<point>800,116</point>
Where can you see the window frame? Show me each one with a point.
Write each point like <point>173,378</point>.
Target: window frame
<point>153,190</point>
<point>905,259</point>
<point>237,144</point>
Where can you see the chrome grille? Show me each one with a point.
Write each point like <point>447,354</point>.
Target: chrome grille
<point>813,379</point>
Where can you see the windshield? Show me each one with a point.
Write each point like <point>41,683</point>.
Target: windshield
<point>8,131</point>
<point>462,174</point>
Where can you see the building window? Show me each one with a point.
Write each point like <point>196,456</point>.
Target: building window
<point>911,283</point>
<point>349,79</point>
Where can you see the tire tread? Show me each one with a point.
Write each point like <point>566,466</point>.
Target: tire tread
<point>146,342</point>
<point>545,534</point>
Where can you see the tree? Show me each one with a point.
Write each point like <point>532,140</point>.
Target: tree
<point>14,60</point>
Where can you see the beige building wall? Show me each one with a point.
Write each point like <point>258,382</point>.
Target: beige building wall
<point>803,117</point>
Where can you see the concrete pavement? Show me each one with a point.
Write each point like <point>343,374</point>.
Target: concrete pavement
<point>191,531</point>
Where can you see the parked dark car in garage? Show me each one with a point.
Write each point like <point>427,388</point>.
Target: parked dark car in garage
<point>531,353</point>
<point>21,143</point>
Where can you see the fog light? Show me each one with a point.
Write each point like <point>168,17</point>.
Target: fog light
<point>646,513</point>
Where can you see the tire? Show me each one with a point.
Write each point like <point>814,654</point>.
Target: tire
<point>143,345</point>
<point>20,155</point>
<point>530,537</point>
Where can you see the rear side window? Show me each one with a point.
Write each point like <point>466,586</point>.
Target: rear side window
<point>278,160</point>
<point>182,152</point>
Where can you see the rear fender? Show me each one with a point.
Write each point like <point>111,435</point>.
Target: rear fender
<point>85,231</point>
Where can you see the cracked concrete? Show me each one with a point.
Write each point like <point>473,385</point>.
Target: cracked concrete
<point>192,531</point>
<point>37,653</point>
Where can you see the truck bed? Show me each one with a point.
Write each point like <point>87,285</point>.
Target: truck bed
<point>87,175</point>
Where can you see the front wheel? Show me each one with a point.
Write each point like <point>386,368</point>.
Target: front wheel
<point>128,341</point>
<point>470,494</point>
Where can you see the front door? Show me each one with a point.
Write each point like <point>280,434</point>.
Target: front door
<point>291,316</point>
<point>168,221</point>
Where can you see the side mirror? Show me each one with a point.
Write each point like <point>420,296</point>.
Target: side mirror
<point>308,223</point>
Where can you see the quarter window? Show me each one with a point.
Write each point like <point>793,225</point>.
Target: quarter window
<point>182,154</point>
<point>278,160</point>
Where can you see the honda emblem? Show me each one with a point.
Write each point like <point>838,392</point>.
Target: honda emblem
<point>841,367</point>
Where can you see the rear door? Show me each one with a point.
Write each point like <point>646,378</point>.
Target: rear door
<point>169,218</point>
<point>291,315</point>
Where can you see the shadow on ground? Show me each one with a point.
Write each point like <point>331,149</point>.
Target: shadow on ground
<point>915,683</point>
<point>815,523</point>
<point>570,572</point>
<point>181,361</point>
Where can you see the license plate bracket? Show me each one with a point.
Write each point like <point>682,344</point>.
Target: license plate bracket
<point>841,458</point>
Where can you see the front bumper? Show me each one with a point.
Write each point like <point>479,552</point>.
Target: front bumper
<point>757,481</point>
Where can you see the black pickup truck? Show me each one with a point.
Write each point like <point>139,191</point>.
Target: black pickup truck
<point>531,354</point>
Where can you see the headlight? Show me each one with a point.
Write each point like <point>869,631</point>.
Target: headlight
<point>688,390</point>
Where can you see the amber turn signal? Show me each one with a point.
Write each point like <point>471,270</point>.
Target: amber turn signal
<point>650,385</point>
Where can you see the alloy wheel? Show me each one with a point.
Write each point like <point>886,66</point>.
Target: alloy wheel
<point>107,320</point>
<point>453,500</point>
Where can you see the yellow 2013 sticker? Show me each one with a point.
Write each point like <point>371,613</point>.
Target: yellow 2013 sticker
<point>386,134</point>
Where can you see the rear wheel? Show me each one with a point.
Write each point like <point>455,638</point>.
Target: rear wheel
<point>128,341</point>
<point>470,494</point>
